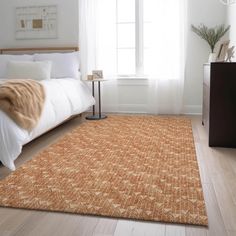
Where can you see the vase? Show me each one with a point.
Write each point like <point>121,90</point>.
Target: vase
<point>212,57</point>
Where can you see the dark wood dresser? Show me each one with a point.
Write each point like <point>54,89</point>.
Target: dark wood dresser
<point>219,103</point>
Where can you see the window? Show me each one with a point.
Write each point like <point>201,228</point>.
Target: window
<point>140,38</point>
<point>126,37</point>
<point>129,37</point>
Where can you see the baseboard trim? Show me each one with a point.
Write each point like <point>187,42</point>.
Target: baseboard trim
<point>192,110</point>
<point>126,108</point>
<point>142,109</point>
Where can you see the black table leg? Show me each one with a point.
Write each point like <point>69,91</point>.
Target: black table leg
<point>99,99</point>
<point>98,116</point>
<point>93,96</point>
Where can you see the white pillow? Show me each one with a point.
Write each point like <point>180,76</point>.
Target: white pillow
<point>4,59</point>
<point>29,70</point>
<point>64,65</point>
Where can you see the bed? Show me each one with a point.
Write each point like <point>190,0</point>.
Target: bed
<point>65,98</point>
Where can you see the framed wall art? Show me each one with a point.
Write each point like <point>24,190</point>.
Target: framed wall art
<point>222,51</point>
<point>36,22</point>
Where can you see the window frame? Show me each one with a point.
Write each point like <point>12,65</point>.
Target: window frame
<point>139,42</point>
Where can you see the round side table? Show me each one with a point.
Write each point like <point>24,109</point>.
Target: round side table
<point>95,116</point>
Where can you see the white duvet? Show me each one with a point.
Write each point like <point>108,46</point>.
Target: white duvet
<point>64,98</point>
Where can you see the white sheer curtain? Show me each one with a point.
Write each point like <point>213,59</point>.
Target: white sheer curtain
<point>97,43</point>
<point>166,60</point>
<point>87,36</point>
<point>97,36</point>
<point>163,53</point>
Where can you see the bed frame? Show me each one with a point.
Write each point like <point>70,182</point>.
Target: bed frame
<point>35,50</point>
<point>42,50</point>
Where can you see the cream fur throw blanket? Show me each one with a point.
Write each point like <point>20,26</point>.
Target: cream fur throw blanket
<point>22,101</point>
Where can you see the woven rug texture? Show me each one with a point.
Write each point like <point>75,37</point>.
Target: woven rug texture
<point>136,167</point>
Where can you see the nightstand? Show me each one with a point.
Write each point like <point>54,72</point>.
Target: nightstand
<point>95,116</point>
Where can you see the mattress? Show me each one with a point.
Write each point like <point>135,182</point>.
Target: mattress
<point>64,98</point>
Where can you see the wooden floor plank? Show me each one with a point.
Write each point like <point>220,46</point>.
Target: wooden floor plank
<point>86,226</point>
<point>55,224</point>
<point>215,162</point>
<point>175,230</point>
<point>231,233</point>
<point>29,224</point>
<point>225,202</point>
<point>227,161</point>
<point>105,227</point>
<point>216,225</point>
<point>5,233</point>
<point>124,227</point>
<point>150,229</point>
<point>51,224</point>
<point>196,231</point>
<point>14,219</point>
<point>131,228</point>
<point>205,177</point>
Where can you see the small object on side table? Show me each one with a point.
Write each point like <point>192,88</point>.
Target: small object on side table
<point>98,116</point>
<point>90,77</point>
<point>98,74</point>
<point>230,54</point>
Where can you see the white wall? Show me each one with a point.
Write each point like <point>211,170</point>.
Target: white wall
<point>231,19</point>
<point>67,23</point>
<point>131,97</point>
<point>210,13</point>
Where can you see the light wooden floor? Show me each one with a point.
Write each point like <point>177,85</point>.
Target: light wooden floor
<point>218,174</point>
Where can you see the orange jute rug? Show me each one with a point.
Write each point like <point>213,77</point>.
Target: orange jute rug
<point>136,167</point>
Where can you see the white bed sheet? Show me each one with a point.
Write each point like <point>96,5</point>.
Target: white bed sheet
<point>64,98</point>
